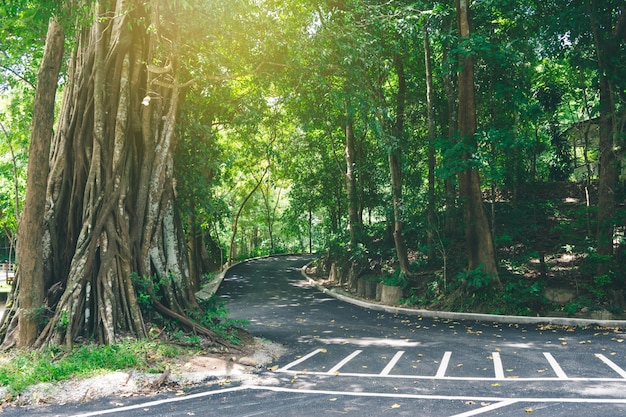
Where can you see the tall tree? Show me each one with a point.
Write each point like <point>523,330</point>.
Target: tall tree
<point>608,29</point>
<point>111,211</point>
<point>30,250</point>
<point>478,238</point>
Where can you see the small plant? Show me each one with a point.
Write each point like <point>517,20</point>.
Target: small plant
<point>396,279</point>
<point>64,320</point>
<point>475,279</point>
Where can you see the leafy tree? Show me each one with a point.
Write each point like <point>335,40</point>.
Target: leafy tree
<point>479,243</point>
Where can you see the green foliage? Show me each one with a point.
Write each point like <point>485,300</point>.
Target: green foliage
<point>395,279</point>
<point>214,316</point>
<point>22,369</point>
<point>144,287</point>
<point>475,279</point>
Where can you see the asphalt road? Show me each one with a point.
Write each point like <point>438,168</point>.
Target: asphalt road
<point>352,361</point>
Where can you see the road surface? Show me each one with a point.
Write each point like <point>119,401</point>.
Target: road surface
<point>347,360</point>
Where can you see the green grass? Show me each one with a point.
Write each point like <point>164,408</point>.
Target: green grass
<point>20,369</point>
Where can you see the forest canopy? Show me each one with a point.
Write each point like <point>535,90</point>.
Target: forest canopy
<point>471,152</point>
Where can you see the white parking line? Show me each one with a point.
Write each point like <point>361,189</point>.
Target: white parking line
<point>499,374</point>
<point>486,409</point>
<point>499,400</point>
<point>441,372</point>
<point>555,366</point>
<point>392,363</point>
<point>299,361</point>
<point>611,365</point>
<point>347,359</point>
<point>497,365</point>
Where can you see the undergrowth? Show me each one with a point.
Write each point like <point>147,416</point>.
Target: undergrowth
<point>21,369</point>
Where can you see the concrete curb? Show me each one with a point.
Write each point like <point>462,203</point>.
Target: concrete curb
<point>450,315</point>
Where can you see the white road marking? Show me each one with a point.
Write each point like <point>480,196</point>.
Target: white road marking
<point>555,366</point>
<point>441,372</point>
<point>299,361</point>
<point>486,409</point>
<point>392,363</point>
<point>498,370</point>
<point>497,365</point>
<point>356,394</point>
<point>340,365</point>
<point>611,365</point>
<point>465,378</point>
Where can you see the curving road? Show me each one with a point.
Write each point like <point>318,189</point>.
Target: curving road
<point>359,362</point>
<point>347,360</point>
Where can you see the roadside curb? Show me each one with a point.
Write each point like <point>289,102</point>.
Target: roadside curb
<point>450,315</point>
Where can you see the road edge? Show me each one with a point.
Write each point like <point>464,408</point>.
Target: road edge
<point>344,296</point>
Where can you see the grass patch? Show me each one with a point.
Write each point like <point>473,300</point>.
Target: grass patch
<point>20,369</point>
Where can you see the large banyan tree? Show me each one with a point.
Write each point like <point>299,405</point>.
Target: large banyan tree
<point>110,215</point>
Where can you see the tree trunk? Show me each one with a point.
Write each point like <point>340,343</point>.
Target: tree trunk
<point>449,66</point>
<point>111,211</point>
<point>233,237</point>
<point>478,239</point>
<point>394,156</point>
<point>351,182</point>
<point>608,177</point>
<point>30,250</point>
<point>432,136</point>
<point>607,43</point>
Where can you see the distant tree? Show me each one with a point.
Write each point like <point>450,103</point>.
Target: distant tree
<point>478,239</point>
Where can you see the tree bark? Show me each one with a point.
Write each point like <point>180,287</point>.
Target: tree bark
<point>30,250</point>
<point>432,135</point>
<point>450,191</point>
<point>111,211</point>
<point>607,43</point>
<point>478,239</point>
<point>394,156</point>
<point>351,181</point>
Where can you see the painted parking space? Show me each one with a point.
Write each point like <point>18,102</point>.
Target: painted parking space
<point>492,366</point>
